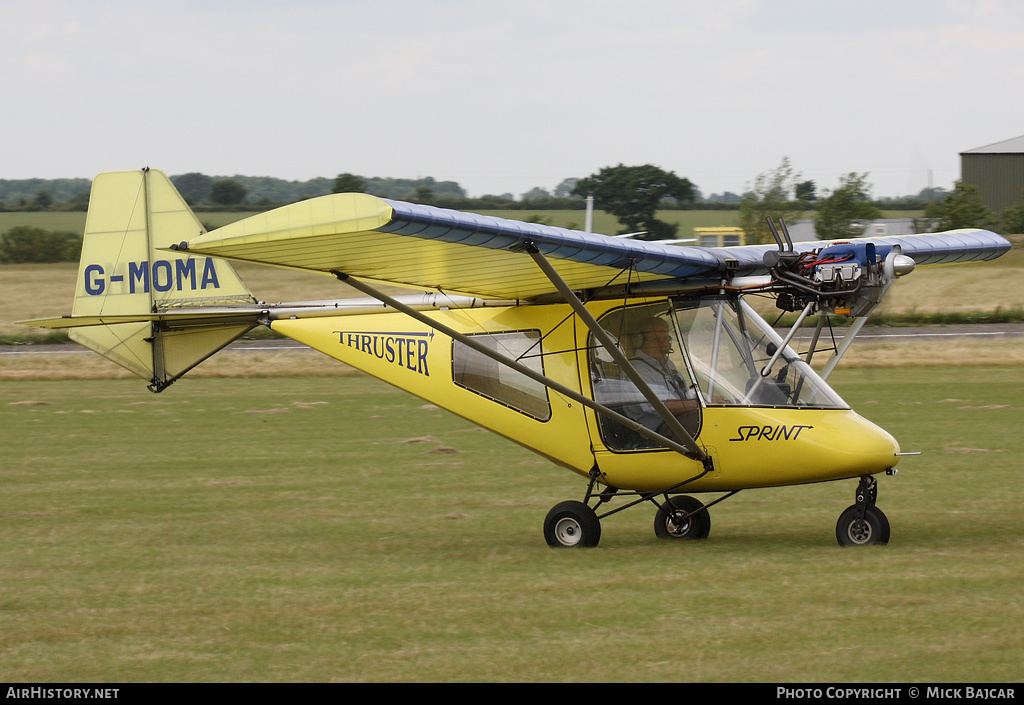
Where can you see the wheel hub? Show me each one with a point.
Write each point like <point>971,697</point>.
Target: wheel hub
<point>568,532</point>
<point>860,531</point>
<point>678,523</point>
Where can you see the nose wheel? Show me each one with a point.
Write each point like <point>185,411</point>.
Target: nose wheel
<point>863,524</point>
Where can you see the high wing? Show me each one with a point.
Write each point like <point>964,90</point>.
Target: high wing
<point>463,253</point>
<point>443,250</point>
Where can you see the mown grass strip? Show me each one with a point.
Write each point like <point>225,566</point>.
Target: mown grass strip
<point>295,530</point>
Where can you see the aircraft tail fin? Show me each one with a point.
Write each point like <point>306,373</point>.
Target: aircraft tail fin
<point>155,312</point>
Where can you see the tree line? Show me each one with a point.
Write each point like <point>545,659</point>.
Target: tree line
<point>634,194</point>
<point>204,192</point>
<point>845,211</point>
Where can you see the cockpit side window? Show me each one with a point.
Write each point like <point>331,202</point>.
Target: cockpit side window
<point>648,337</point>
<point>486,377</point>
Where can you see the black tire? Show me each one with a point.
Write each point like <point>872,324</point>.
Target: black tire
<point>572,524</point>
<point>668,525</point>
<point>873,531</point>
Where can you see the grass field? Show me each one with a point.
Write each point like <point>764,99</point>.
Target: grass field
<point>292,530</point>
<point>276,517</point>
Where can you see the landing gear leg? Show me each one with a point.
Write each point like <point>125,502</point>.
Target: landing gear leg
<point>863,524</point>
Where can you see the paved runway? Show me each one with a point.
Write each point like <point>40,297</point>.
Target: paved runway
<point>981,331</point>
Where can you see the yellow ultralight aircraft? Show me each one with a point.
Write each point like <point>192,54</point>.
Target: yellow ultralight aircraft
<point>640,366</point>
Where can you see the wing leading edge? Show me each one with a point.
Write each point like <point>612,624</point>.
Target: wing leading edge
<point>439,249</point>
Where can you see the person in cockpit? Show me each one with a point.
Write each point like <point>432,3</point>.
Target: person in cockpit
<point>651,345</point>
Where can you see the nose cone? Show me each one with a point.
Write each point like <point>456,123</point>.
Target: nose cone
<point>846,445</point>
<point>869,448</point>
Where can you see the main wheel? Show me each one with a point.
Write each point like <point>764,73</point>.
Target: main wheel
<point>873,530</point>
<point>674,524</point>
<point>570,524</point>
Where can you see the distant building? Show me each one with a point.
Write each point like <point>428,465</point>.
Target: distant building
<point>997,170</point>
<point>719,237</point>
<point>803,230</point>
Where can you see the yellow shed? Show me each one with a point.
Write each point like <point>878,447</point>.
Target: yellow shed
<point>719,237</point>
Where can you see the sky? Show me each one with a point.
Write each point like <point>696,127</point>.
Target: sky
<point>502,97</point>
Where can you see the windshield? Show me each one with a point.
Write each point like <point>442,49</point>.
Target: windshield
<point>735,358</point>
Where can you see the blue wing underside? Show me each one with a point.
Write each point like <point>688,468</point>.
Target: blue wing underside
<point>670,261</point>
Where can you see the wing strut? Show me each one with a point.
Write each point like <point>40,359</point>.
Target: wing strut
<point>693,450</point>
<point>858,323</point>
<point>848,337</point>
<point>518,367</point>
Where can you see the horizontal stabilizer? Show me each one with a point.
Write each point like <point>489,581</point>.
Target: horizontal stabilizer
<point>170,319</point>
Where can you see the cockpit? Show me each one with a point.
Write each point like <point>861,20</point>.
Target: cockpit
<point>697,353</point>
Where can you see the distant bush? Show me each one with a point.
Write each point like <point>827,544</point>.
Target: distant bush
<point>27,244</point>
<point>1012,219</point>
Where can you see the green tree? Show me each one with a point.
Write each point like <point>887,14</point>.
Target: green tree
<point>193,187</point>
<point>79,202</point>
<point>962,208</point>
<point>42,201</point>
<point>1012,219</point>
<point>565,189</point>
<point>769,198</point>
<point>405,189</point>
<point>227,192</point>
<point>633,193</point>
<point>423,194</point>
<point>24,243</point>
<point>536,194</point>
<point>348,183</point>
<point>932,193</point>
<point>841,214</point>
<point>806,191</point>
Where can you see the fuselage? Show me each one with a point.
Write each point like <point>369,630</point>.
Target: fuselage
<point>754,440</point>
